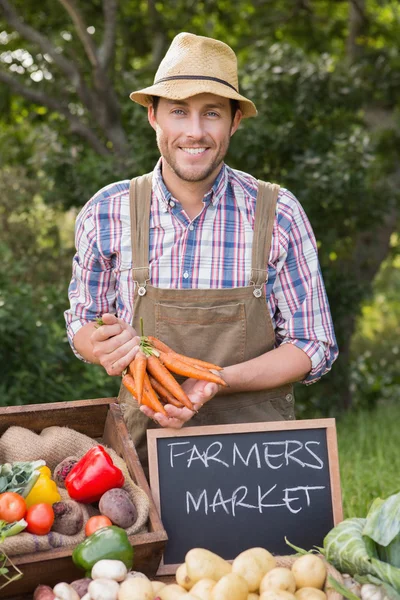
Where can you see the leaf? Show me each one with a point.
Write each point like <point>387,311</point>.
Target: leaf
<point>341,589</point>
<point>383,520</point>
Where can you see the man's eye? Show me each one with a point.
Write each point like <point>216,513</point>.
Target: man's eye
<point>211,113</point>
<point>178,111</point>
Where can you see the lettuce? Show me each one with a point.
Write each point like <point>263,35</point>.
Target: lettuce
<point>19,477</point>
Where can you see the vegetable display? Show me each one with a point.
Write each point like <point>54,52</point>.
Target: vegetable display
<point>150,376</point>
<point>254,574</point>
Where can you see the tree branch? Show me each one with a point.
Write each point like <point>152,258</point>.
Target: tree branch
<point>158,34</point>
<point>34,36</point>
<point>357,23</point>
<point>107,48</point>
<point>57,105</point>
<point>81,28</point>
<point>66,66</point>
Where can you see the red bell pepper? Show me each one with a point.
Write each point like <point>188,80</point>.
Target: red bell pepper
<point>94,474</point>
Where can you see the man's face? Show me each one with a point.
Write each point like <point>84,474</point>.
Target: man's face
<point>193,135</point>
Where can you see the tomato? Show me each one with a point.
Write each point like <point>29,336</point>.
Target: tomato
<point>95,523</point>
<point>40,518</point>
<point>12,507</point>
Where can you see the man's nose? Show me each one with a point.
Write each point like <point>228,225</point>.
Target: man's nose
<point>195,127</point>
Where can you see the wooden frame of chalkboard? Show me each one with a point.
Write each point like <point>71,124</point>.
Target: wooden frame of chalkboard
<point>232,487</point>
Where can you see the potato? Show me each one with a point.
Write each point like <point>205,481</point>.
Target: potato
<point>309,570</point>
<point>309,593</point>
<point>63,591</point>
<point>252,565</point>
<point>81,586</point>
<point>171,592</point>
<point>279,578</point>
<point>182,578</point>
<point>277,595</point>
<point>116,504</point>
<point>43,592</point>
<point>230,587</point>
<point>264,558</point>
<point>157,585</point>
<point>109,569</point>
<point>253,596</point>
<point>103,589</point>
<point>136,588</point>
<point>203,588</point>
<point>203,564</point>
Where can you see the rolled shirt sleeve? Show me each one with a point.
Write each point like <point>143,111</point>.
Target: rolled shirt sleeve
<point>92,287</point>
<point>301,308</point>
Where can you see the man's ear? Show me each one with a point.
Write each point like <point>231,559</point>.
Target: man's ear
<point>236,120</point>
<point>151,115</point>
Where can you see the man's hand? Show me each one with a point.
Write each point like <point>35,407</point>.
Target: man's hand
<point>114,344</point>
<point>199,393</point>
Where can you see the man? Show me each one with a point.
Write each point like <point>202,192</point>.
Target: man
<point>219,266</point>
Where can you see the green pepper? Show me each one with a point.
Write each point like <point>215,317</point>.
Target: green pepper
<point>110,542</point>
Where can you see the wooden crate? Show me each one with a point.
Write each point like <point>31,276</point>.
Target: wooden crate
<point>100,419</point>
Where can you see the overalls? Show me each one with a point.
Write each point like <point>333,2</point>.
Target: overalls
<point>222,326</point>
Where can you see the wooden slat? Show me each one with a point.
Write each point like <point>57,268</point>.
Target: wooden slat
<point>85,416</point>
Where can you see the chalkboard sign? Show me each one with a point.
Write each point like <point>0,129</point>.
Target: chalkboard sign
<point>232,487</point>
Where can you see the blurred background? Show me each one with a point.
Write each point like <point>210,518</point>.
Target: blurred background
<point>325,77</point>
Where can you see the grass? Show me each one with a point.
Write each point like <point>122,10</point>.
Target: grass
<point>369,457</point>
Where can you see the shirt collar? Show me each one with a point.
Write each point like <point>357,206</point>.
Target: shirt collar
<point>164,196</point>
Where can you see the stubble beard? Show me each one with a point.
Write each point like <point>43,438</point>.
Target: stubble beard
<point>190,175</point>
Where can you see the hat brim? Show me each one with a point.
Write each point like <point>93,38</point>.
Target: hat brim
<point>180,90</point>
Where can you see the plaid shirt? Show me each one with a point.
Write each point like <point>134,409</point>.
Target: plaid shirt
<point>212,251</point>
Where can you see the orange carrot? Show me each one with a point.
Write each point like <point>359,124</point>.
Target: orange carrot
<point>181,368</point>
<point>161,373</point>
<point>149,391</point>
<point>165,395</point>
<point>139,369</point>
<point>129,383</point>
<point>159,345</point>
<point>196,362</point>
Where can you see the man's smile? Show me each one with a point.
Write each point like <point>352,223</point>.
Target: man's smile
<point>194,150</point>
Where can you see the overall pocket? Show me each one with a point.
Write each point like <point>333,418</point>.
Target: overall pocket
<point>213,333</point>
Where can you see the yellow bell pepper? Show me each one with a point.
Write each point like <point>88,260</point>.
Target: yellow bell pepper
<point>45,490</point>
<point>45,471</point>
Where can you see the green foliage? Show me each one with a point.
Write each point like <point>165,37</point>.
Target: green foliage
<point>368,456</point>
<point>38,364</point>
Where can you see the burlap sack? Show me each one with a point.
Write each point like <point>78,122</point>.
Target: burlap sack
<point>52,445</point>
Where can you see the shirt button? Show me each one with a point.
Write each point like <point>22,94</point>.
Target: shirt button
<point>289,397</point>
<point>191,227</point>
<point>186,274</point>
<point>171,203</point>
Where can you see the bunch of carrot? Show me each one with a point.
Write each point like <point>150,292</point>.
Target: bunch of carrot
<point>149,377</point>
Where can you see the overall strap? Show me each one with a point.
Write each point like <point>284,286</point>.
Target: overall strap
<point>140,189</point>
<point>264,219</point>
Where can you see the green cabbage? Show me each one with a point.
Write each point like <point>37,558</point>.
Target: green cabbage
<point>371,546</point>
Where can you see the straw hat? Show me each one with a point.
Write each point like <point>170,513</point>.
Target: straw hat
<point>195,65</point>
